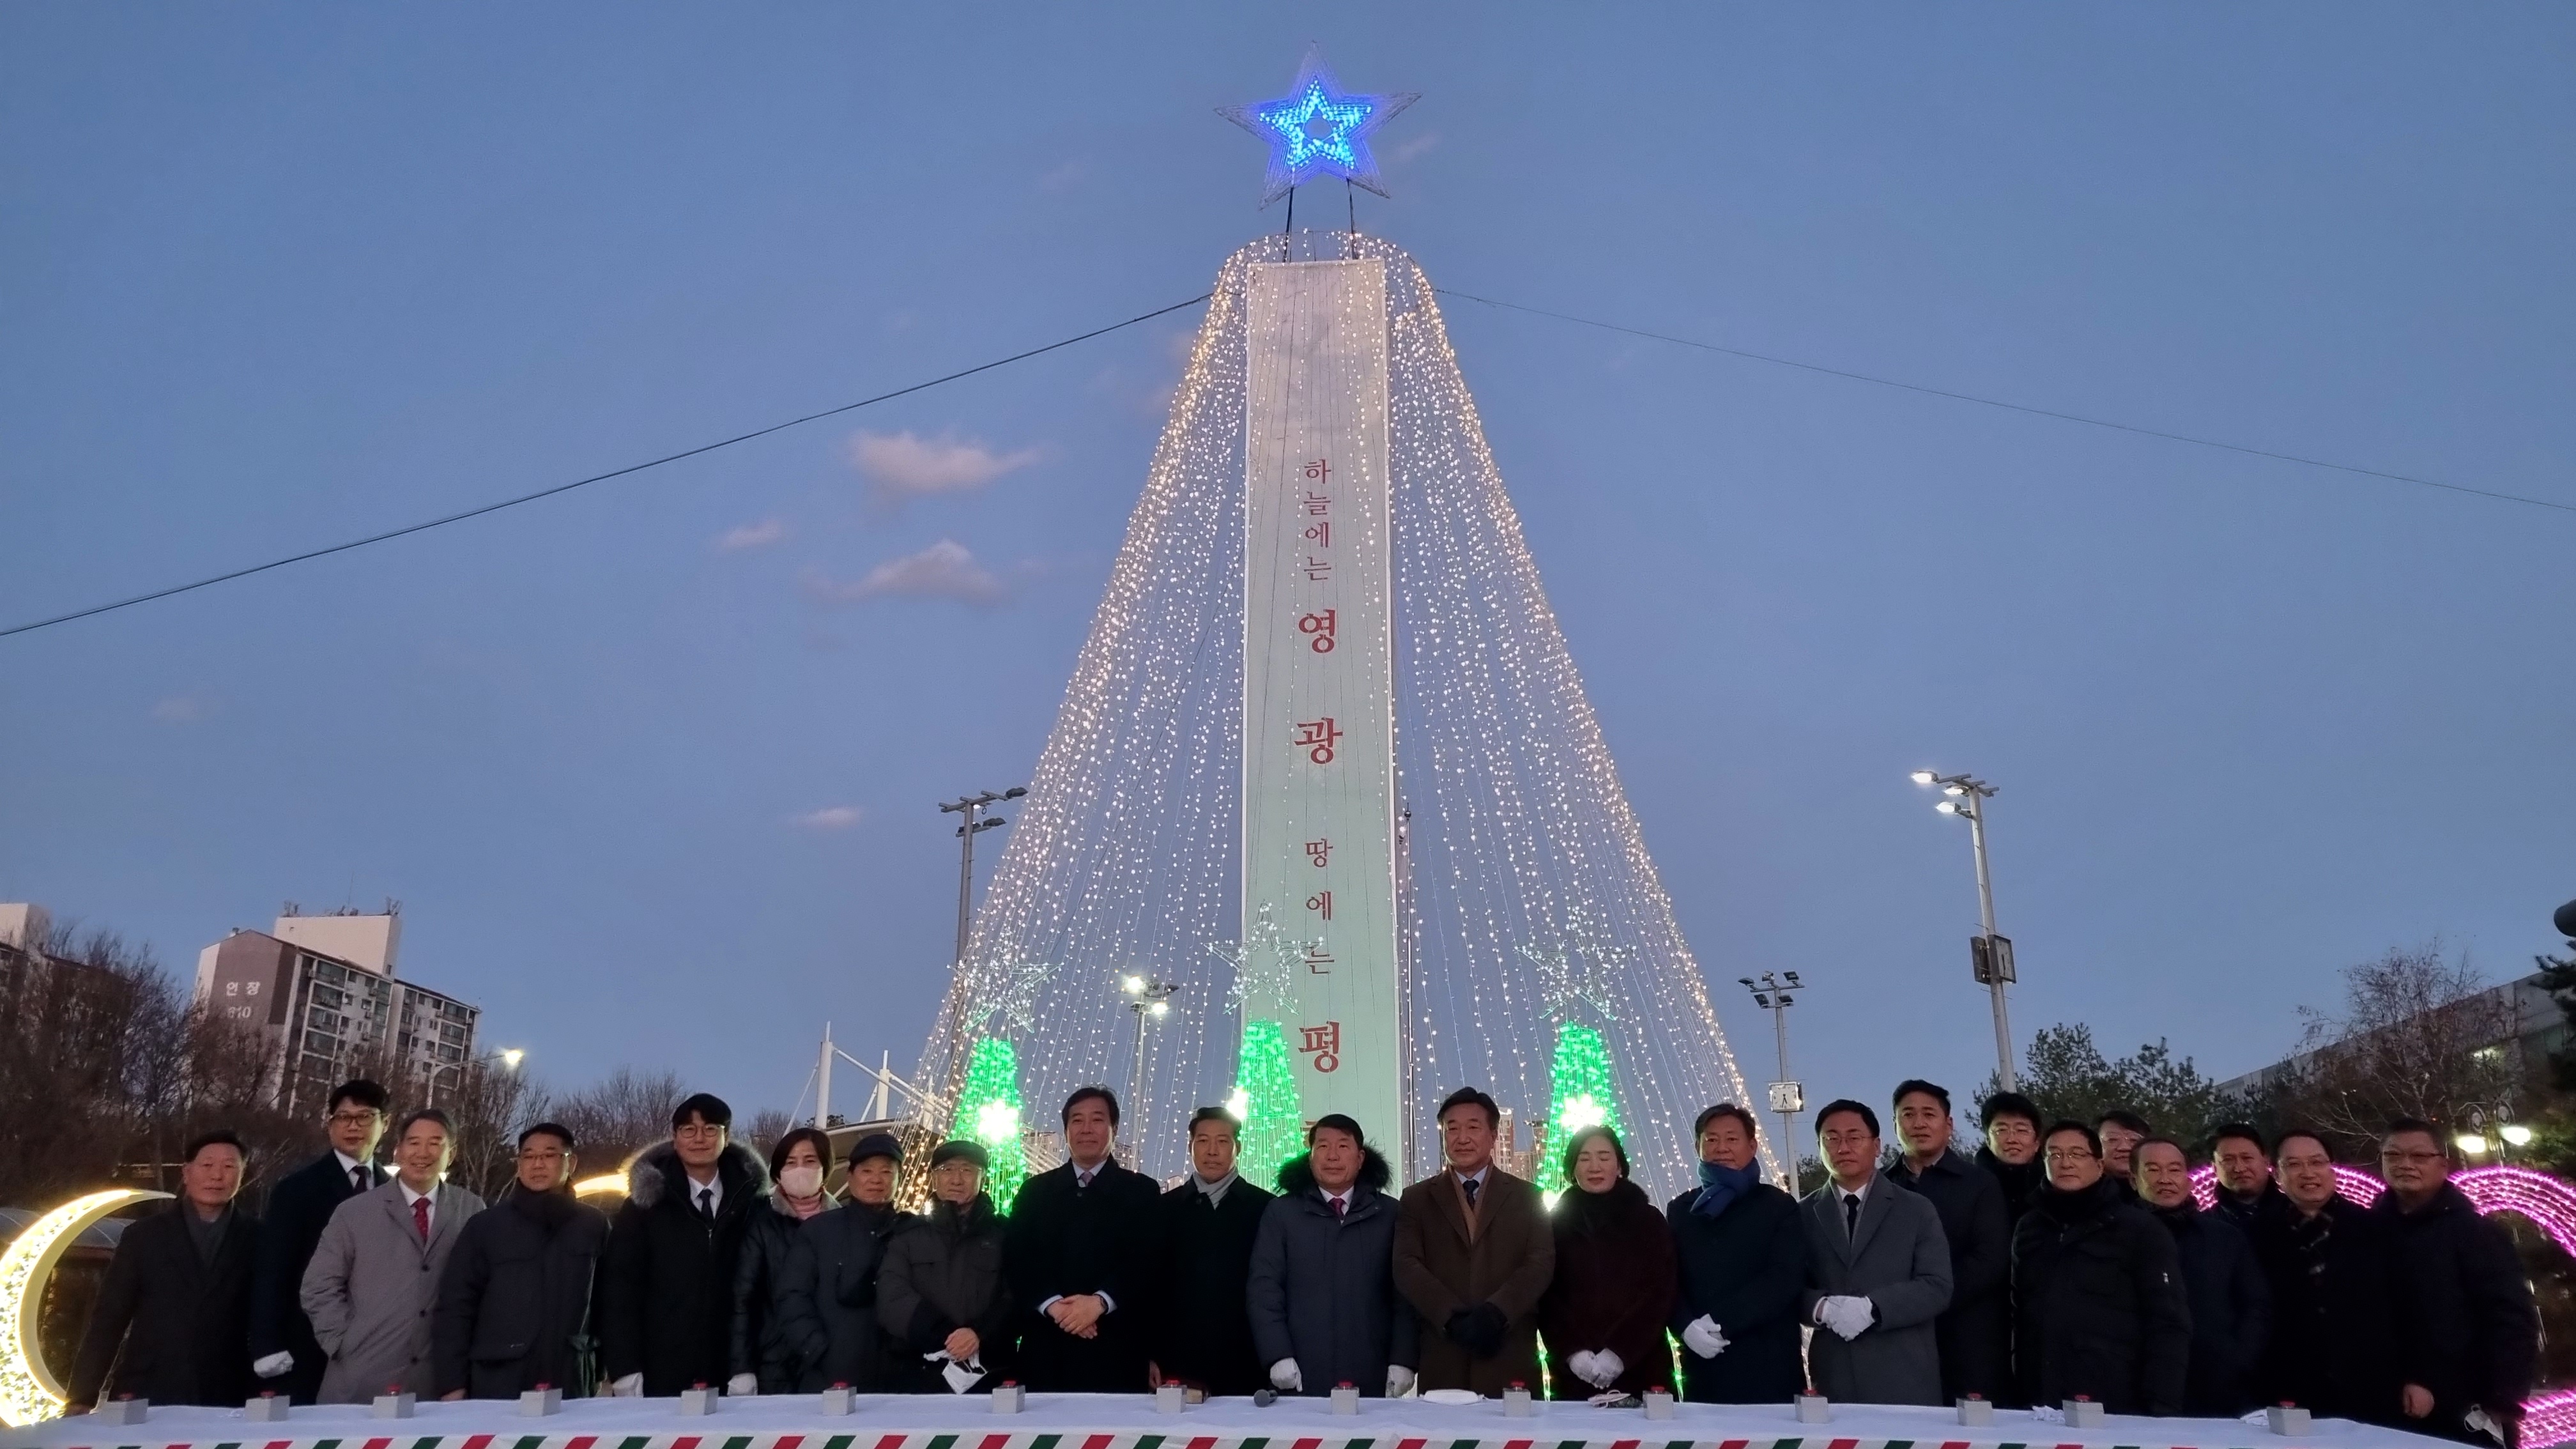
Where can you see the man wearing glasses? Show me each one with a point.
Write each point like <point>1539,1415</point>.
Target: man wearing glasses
<point>2468,1331</point>
<point>2097,1288</point>
<point>1878,1272</point>
<point>514,1300</point>
<point>2334,1333</point>
<point>283,1351</point>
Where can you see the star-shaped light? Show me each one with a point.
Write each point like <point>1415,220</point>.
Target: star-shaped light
<point>1317,129</point>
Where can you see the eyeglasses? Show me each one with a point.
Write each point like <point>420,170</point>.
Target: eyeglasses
<point>368,1118</point>
<point>542,1154</point>
<point>2392,1154</point>
<point>2068,1154</point>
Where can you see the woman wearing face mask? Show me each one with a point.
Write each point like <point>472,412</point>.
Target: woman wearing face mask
<point>1604,1311</point>
<point>765,1361</point>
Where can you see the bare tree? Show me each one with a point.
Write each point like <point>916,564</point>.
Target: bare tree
<point>2418,1036</point>
<point>767,1126</point>
<point>620,1115</point>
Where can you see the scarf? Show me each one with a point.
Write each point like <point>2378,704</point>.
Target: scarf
<point>1719,1186</point>
<point>1214,1192</point>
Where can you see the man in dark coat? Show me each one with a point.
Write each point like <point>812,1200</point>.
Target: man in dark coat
<point>284,1353</point>
<point>1473,1255</point>
<point>1741,1255</point>
<point>1878,1272</point>
<point>1322,1295</point>
<point>2011,1123</point>
<point>1975,1331</point>
<point>2246,1190</point>
<point>2468,1331</point>
<point>1202,1238</point>
<point>830,1309</point>
<point>172,1320</point>
<point>2334,1324</point>
<point>942,1297</point>
<point>514,1300</point>
<point>2098,1285</point>
<point>666,1287</point>
<point>2231,1305</point>
<point>1075,1250</point>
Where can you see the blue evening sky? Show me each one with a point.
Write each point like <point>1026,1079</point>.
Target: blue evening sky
<point>652,766</point>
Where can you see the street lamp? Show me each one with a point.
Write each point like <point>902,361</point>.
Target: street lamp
<point>1990,955</point>
<point>1150,1000</point>
<point>1788,1098</point>
<point>2515,1134</point>
<point>510,1057</point>
<point>975,823</point>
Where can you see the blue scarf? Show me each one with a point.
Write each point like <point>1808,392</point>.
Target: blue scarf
<point>1720,1186</point>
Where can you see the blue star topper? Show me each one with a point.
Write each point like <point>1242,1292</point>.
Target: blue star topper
<point>1316,129</point>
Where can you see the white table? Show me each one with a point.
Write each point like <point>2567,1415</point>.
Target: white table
<point>1122,1421</point>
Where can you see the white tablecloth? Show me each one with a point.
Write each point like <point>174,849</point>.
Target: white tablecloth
<point>1122,1421</point>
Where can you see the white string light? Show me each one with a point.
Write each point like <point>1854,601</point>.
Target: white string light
<point>1531,895</point>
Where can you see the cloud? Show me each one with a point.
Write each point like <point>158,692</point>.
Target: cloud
<point>751,535</point>
<point>903,466</point>
<point>1067,176</point>
<point>1413,146</point>
<point>945,570</point>
<point>832,817</point>
<point>179,709</point>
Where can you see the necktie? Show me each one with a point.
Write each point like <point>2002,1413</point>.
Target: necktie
<point>420,1217</point>
<point>1341,1207</point>
<point>1851,1214</point>
<point>1469,1186</point>
<point>358,1178</point>
<point>707,1203</point>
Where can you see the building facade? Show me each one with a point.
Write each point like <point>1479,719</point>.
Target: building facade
<point>332,1015</point>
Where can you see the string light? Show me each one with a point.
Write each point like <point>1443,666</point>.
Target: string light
<point>1317,130</point>
<point>1523,850</point>
<point>990,1103</point>
<point>1273,1131</point>
<point>1583,1095</point>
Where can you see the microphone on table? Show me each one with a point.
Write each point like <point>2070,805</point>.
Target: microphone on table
<point>1264,1398</point>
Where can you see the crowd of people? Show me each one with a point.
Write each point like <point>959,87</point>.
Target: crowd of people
<point>2059,1260</point>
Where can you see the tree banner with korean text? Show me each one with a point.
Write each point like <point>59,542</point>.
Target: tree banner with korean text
<point>1319,795</point>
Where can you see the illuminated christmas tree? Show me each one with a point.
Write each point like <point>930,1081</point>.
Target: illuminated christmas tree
<point>1581,1094</point>
<point>1523,891</point>
<point>1265,1102</point>
<point>988,1110</point>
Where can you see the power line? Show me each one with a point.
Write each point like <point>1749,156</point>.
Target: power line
<point>243,573</point>
<point>2010,406</point>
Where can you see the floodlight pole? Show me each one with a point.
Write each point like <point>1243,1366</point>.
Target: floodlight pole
<point>1976,813</point>
<point>1787,1097</point>
<point>974,824</point>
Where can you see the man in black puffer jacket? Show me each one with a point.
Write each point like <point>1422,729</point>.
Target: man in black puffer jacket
<point>2098,1289</point>
<point>2468,1331</point>
<point>514,1302</point>
<point>2231,1304</point>
<point>666,1288</point>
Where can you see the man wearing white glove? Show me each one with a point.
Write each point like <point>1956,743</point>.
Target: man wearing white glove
<point>1741,1248</point>
<point>1878,1272</point>
<point>1322,1289</point>
<point>629,1387</point>
<point>1703,1338</point>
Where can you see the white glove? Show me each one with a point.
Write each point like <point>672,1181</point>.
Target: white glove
<point>1580,1362</point>
<point>273,1365</point>
<point>629,1387</point>
<point>1606,1369</point>
<point>1703,1338</point>
<point>1399,1381</point>
<point>1846,1315</point>
<point>1285,1378</point>
<point>742,1386</point>
<point>2047,1414</point>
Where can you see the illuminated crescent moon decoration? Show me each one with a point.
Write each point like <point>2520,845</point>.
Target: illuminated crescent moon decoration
<point>606,1182</point>
<point>29,1392</point>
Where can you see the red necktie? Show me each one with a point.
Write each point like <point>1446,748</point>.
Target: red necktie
<point>420,1217</point>
<point>1341,1207</point>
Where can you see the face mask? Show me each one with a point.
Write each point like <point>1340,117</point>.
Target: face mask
<point>801,1181</point>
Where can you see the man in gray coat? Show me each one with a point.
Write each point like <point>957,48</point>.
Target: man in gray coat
<point>1322,1292</point>
<point>373,1282</point>
<point>1878,1272</point>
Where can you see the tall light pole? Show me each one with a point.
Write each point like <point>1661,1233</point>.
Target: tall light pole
<point>1150,1000</point>
<point>1788,1098</point>
<point>1990,956</point>
<point>976,822</point>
